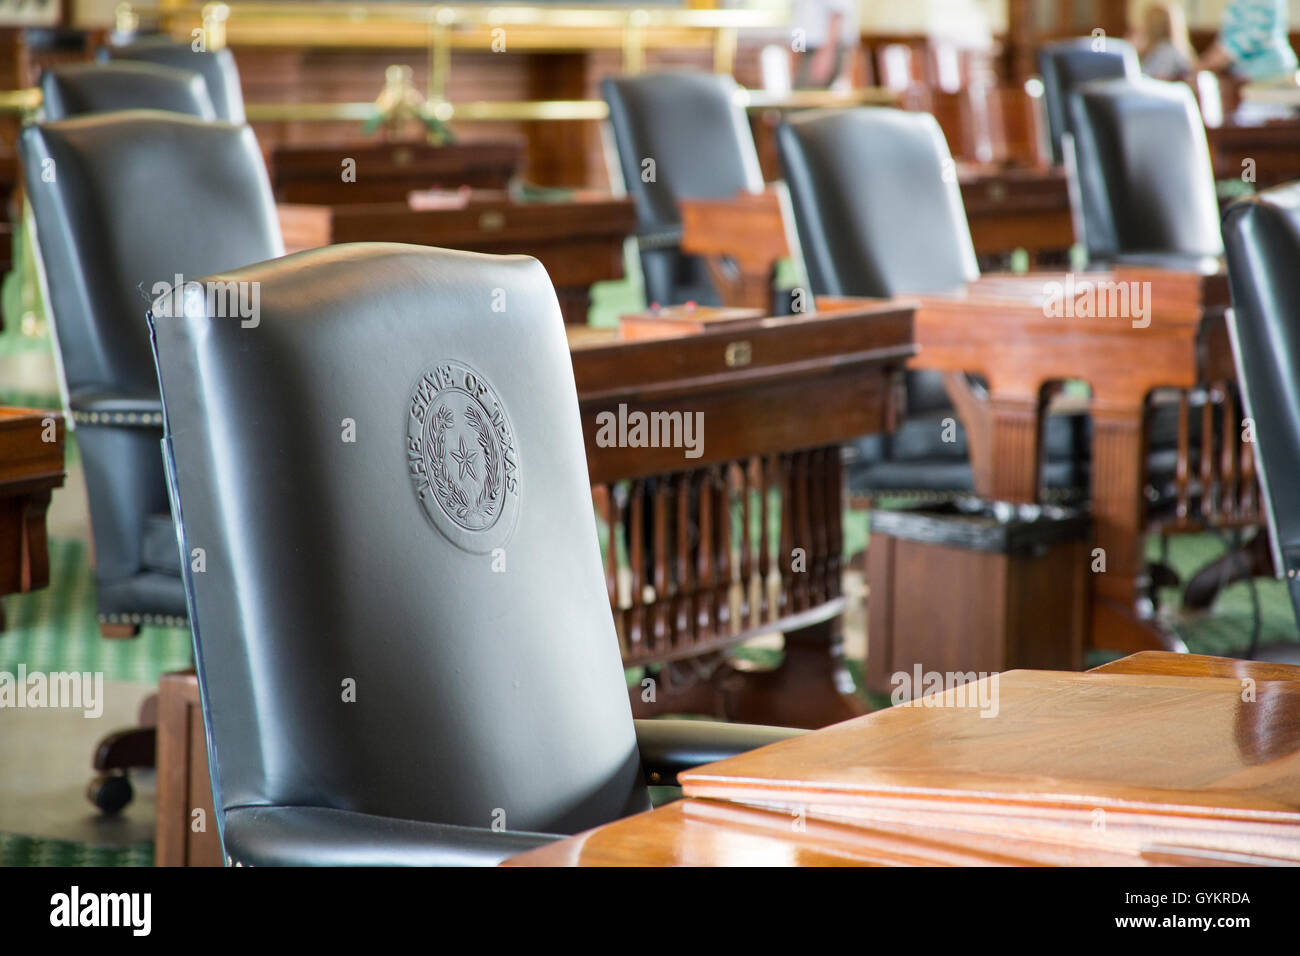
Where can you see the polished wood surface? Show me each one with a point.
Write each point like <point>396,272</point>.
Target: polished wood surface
<point>185,826</point>
<point>796,831</point>
<point>713,833</point>
<point>31,467</point>
<point>579,239</point>
<point>1190,762</point>
<point>743,535</point>
<point>687,319</point>
<point>1198,665</point>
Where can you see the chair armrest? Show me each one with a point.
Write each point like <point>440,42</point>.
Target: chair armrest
<point>669,747</point>
<point>107,408</point>
<point>318,836</point>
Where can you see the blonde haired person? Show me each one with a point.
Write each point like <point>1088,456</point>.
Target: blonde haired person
<point>1164,46</point>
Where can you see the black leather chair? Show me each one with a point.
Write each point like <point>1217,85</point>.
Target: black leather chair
<point>217,67</point>
<point>79,88</point>
<point>1065,64</point>
<point>1144,189</point>
<point>876,216</point>
<point>1142,175</point>
<point>136,199</point>
<point>1262,239</point>
<point>374,691</point>
<point>697,135</point>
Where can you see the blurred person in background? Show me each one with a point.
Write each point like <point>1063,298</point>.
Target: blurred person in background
<point>1163,43</point>
<point>824,35</point>
<point>1252,44</point>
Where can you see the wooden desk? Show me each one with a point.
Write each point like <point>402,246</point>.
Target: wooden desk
<point>742,239</point>
<point>777,397</point>
<point>579,241</point>
<point>31,467</point>
<point>1198,665</point>
<point>1000,328</point>
<point>1077,770</point>
<point>1190,763</point>
<point>714,833</point>
<point>386,172</point>
<point>1017,207</point>
<point>1274,147</point>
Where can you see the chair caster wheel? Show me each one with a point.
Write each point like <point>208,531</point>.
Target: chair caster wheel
<point>110,792</point>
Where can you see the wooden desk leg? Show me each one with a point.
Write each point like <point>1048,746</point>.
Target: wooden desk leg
<point>1004,433</point>
<point>1118,466</point>
<point>812,688</point>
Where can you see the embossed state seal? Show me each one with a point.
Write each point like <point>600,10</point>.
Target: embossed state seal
<point>461,455</point>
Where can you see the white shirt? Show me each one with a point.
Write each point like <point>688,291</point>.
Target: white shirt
<point>813,17</point>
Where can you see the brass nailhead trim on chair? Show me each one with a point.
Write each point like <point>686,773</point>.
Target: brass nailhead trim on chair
<point>145,620</point>
<point>117,418</point>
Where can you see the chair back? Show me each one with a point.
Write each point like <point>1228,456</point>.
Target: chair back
<point>79,88</point>
<point>1065,64</point>
<point>217,67</point>
<point>1143,180</point>
<point>1262,240</point>
<point>123,203</point>
<point>403,611</point>
<point>878,212</point>
<point>876,202</point>
<point>126,202</point>
<point>679,135</point>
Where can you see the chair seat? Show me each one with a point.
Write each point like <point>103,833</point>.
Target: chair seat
<point>946,476</point>
<point>156,594</point>
<point>147,598</point>
<point>916,458</point>
<point>159,551</point>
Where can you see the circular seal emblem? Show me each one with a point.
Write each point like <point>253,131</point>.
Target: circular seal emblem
<point>461,455</point>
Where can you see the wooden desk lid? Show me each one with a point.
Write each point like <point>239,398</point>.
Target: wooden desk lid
<point>1061,745</point>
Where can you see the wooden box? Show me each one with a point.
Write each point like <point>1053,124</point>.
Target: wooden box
<point>957,590</point>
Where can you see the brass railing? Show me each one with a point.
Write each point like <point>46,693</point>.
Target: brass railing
<point>441,28</point>
<point>27,103</point>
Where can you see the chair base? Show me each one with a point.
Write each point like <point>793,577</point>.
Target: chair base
<point>121,752</point>
<point>1252,560</point>
<point>118,631</point>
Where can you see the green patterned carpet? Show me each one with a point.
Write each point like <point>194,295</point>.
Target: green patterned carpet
<point>30,851</point>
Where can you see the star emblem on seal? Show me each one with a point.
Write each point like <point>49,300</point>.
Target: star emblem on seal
<point>465,459</point>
